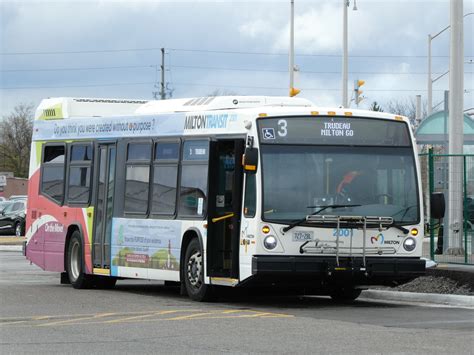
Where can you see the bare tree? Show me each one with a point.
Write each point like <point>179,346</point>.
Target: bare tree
<point>219,92</point>
<point>406,108</point>
<point>375,107</point>
<point>15,139</point>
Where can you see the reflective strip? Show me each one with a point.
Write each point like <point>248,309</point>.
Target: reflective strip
<point>101,271</point>
<point>224,281</point>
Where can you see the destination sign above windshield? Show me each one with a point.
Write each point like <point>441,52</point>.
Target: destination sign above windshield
<point>333,131</point>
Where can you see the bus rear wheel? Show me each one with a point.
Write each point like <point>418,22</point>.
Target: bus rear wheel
<point>74,263</point>
<point>345,294</point>
<point>193,273</point>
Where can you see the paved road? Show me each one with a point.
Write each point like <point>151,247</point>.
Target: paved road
<point>39,315</point>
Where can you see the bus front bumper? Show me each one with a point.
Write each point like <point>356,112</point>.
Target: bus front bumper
<point>303,269</point>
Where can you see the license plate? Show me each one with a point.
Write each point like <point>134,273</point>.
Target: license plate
<point>302,236</point>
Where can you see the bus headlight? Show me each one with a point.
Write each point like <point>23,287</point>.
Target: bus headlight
<point>270,242</point>
<point>409,244</point>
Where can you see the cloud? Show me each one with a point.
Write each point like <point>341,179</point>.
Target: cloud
<point>315,29</point>
<point>379,33</point>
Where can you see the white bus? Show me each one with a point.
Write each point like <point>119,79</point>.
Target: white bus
<point>224,191</point>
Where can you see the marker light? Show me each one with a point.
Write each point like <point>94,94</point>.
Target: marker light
<point>348,113</point>
<point>262,115</point>
<point>314,113</point>
<point>414,232</point>
<point>294,92</point>
<point>266,229</point>
<point>270,242</point>
<point>409,244</point>
<point>332,113</point>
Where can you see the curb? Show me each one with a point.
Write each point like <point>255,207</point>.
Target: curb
<point>428,298</point>
<point>14,248</point>
<point>12,240</point>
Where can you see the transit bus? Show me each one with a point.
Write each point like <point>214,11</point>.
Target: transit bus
<point>224,191</point>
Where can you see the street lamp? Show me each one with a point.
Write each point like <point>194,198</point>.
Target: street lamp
<point>430,81</point>
<point>292,68</point>
<point>345,5</point>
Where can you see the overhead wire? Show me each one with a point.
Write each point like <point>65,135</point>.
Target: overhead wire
<point>200,84</point>
<point>195,50</point>
<point>154,66</point>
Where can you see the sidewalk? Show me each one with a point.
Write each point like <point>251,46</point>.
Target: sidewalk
<point>431,299</point>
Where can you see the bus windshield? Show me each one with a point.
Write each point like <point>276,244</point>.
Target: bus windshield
<point>300,179</point>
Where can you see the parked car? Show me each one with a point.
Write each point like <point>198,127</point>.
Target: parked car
<point>12,218</point>
<point>3,204</point>
<point>18,197</point>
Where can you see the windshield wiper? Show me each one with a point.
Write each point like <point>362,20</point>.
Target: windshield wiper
<point>404,230</point>
<point>322,208</point>
<point>405,211</point>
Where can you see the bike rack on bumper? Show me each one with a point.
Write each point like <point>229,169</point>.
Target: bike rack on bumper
<point>361,265</point>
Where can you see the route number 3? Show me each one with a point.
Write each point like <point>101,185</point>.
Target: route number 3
<point>282,128</point>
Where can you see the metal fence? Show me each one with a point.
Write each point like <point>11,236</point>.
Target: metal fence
<point>451,240</point>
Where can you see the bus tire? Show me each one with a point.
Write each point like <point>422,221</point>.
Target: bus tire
<point>75,263</point>
<point>348,294</point>
<point>193,273</point>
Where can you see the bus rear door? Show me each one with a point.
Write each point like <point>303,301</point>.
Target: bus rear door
<point>105,185</point>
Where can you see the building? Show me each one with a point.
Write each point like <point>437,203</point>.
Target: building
<point>10,185</point>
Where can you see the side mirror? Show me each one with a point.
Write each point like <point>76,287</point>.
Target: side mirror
<point>250,160</point>
<point>437,205</point>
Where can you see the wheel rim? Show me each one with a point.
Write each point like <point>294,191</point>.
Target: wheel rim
<point>194,270</point>
<point>75,260</point>
<point>18,230</point>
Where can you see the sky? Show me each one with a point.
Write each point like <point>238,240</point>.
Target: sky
<point>111,49</point>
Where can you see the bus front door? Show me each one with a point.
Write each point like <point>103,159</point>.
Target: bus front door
<point>225,194</point>
<point>105,185</point>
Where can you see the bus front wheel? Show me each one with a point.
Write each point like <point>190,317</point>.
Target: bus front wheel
<point>74,264</point>
<point>193,273</point>
<point>345,294</point>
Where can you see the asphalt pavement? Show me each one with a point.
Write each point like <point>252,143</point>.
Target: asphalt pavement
<point>38,315</point>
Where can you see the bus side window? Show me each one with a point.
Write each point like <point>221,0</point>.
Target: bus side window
<point>193,188</point>
<point>79,182</point>
<point>52,174</point>
<point>165,178</point>
<point>250,199</point>
<point>137,177</point>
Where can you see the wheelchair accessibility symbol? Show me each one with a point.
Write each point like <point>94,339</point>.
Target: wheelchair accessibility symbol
<point>268,133</point>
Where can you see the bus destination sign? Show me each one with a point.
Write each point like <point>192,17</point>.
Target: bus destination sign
<point>333,130</point>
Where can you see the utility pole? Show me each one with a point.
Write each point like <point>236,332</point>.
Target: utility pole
<point>418,110</point>
<point>345,5</point>
<point>292,46</point>
<point>293,91</point>
<point>162,91</point>
<point>345,50</point>
<point>430,83</point>
<point>455,131</point>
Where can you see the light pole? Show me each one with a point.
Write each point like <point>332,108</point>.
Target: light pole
<point>345,5</point>
<point>291,68</point>
<point>455,131</point>
<point>430,81</point>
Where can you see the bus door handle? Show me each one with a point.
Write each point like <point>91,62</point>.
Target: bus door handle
<point>218,219</point>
